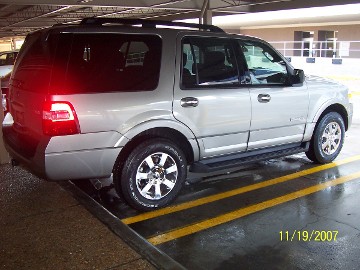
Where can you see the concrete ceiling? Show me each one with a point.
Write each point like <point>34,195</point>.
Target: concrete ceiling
<point>316,16</point>
<point>19,17</point>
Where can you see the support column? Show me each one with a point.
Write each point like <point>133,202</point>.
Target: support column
<point>4,156</point>
<point>206,14</point>
<point>208,17</point>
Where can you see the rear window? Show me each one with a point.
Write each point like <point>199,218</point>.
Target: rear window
<point>113,62</point>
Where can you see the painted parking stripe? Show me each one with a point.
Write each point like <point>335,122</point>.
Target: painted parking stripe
<point>200,226</point>
<point>227,194</point>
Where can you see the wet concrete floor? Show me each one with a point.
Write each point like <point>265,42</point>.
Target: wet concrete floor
<point>43,227</point>
<point>285,213</point>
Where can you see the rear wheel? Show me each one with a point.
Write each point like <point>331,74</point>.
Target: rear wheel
<point>328,139</point>
<point>152,176</point>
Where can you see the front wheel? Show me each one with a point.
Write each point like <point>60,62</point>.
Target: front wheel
<point>152,176</point>
<point>328,139</point>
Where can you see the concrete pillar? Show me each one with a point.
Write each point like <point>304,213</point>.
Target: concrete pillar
<point>208,17</point>
<point>4,156</point>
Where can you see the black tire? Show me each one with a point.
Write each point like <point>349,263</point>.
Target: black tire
<point>328,139</point>
<point>152,175</point>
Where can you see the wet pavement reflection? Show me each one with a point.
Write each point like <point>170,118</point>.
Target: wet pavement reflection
<point>285,213</point>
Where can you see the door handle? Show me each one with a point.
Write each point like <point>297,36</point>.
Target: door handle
<point>189,102</point>
<point>263,98</point>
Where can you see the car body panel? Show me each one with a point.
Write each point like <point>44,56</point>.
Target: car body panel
<point>324,93</point>
<point>85,164</point>
<point>81,142</point>
<point>280,120</point>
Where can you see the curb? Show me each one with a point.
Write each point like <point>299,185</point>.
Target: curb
<point>154,255</point>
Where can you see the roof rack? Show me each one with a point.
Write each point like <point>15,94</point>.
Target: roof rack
<point>148,23</point>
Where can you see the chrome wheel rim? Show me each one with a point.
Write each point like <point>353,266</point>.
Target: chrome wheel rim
<point>331,138</point>
<point>156,176</point>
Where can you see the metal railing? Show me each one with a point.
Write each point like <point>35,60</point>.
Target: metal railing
<point>330,49</point>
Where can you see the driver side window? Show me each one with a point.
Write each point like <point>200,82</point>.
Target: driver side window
<point>265,66</point>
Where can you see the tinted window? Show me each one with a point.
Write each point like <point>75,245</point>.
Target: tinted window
<point>3,59</point>
<point>264,64</point>
<point>33,68</point>
<point>113,62</point>
<point>207,62</point>
<point>7,58</point>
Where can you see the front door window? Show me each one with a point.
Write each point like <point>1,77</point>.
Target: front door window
<point>264,64</point>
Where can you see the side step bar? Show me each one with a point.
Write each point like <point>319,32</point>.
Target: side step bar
<point>234,160</point>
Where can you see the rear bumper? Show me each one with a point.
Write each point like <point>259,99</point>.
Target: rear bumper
<point>36,166</point>
<point>81,156</point>
<point>83,164</point>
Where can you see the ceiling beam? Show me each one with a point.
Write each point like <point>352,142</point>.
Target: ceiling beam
<point>262,6</point>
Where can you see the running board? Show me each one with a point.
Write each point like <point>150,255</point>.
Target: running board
<point>234,160</point>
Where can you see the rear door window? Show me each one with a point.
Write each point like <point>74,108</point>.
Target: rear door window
<point>208,62</point>
<point>113,62</point>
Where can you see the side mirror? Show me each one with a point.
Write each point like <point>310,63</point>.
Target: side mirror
<point>298,77</point>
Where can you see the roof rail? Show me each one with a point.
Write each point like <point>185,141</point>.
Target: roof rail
<point>148,23</point>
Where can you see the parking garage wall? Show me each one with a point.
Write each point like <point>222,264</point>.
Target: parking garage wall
<point>284,38</point>
<point>5,47</point>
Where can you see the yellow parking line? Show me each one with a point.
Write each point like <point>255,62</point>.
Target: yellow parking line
<point>227,194</point>
<point>162,238</point>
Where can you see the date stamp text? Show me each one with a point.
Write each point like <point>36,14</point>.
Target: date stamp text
<point>307,236</point>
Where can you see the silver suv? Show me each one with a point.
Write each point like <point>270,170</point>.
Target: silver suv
<point>146,104</point>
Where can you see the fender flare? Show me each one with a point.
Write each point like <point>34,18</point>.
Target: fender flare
<point>157,123</point>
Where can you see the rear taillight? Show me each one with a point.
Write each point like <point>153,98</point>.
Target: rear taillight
<point>59,118</point>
